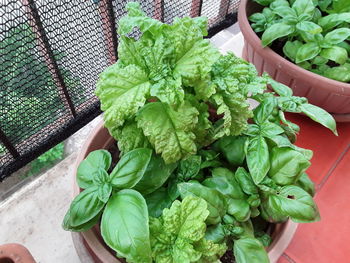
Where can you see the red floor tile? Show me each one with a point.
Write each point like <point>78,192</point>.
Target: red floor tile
<point>284,259</point>
<point>327,241</point>
<point>327,147</point>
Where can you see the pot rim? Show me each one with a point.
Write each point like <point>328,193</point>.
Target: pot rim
<point>280,242</point>
<point>266,52</point>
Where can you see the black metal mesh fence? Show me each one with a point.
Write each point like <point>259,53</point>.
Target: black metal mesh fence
<point>51,52</point>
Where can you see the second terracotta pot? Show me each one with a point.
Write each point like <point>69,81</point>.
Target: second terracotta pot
<point>331,95</point>
<point>99,251</point>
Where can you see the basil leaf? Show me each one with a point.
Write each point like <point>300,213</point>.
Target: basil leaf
<point>319,115</point>
<point>264,110</point>
<point>249,250</point>
<point>84,207</point>
<point>232,149</point>
<point>215,233</point>
<point>130,168</point>
<point>270,212</point>
<point>104,192</point>
<point>66,225</point>
<point>95,161</point>
<point>283,11</point>
<point>124,226</point>
<point>269,129</point>
<point>341,73</point>
<point>309,27</point>
<point>215,200</point>
<point>296,203</point>
<point>286,165</point>
<point>157,201</point>
<point>280,88</point>
<point>335,53</point>
<point>307,51</point>
<point>264,2</point>
<point>276,31</point>
<point>337,35</point>
<point>332,20</point>
<point>304,7</point>
<point>224,181</point>
<point>238,208</point>
<point>258,158</point>
<point>306,184</point>
<point>189,168</point>
<point>246,182</point>
<point>156,174</point>
<point>340,6</point>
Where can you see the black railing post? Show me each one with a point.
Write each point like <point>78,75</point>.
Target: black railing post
<point>7,143</point>
<point>36,24</point>
<point>196,8</point>
<point>109,29</point>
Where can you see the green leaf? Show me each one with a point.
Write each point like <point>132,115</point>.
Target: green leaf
<point>249,250</point>
<point>245,181</point>
<point>238,208</point>
<point>269,129</point>
<point>340,6</point>
<point>280,88</point>
<point>157,201</point>
<point>137,18</point>
<point>124,226</point>
<point>332,20</point>
<point>270,212</point>
<point>306,184</point>
<point>304,7</point>
<point>309,27</point>
<point>264,110</point>
<point>130,168</point>
<point>335,53</point>
<point>287,165</point>
<point>122,91</point>
<point>216,233</point>
<point>91,165</point>
<point>81,228</point>
<point>307,51</point>
<point>169,91</point>
<point>232,149</point>
<point>296,203</point>
<point>215,200</point>
<point>276,31</point>
<point>264,2</point>
<point>337,35</point>
<point>189,168</point>
<point>155,176</point>
<point>319,115</point>
<point>130,137</point>
<point>340,73</point>
<point>258,158</point>
<point>169,131</point>
<point>178,236</point>
<point>104,192</point>
<point>84,208</point>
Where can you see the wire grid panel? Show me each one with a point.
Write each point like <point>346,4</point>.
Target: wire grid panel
<point>51,53</point>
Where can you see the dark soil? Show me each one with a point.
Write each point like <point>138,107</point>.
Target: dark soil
<point>228,257</point>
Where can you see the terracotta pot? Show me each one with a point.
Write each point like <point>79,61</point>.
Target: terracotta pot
<point>15,253</point>
<point>100,139</point>
<point>331,95</point>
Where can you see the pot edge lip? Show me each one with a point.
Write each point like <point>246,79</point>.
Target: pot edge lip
<point>337,87</point>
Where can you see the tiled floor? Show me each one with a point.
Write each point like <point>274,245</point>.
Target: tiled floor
<point>326,241</point>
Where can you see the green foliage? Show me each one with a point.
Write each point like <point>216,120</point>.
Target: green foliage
<point>46,160</point>
<point>214,181</point>
<point>315,34</point>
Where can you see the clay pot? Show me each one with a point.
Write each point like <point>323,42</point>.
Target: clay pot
<point>15,253</point>
<point>99,251</point>
<point>331,95</point>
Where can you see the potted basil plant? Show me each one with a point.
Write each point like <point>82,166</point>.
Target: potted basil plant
<point>184,170</point>
<point>303,44</point>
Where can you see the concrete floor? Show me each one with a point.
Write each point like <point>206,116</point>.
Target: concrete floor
<point>32,215</point>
